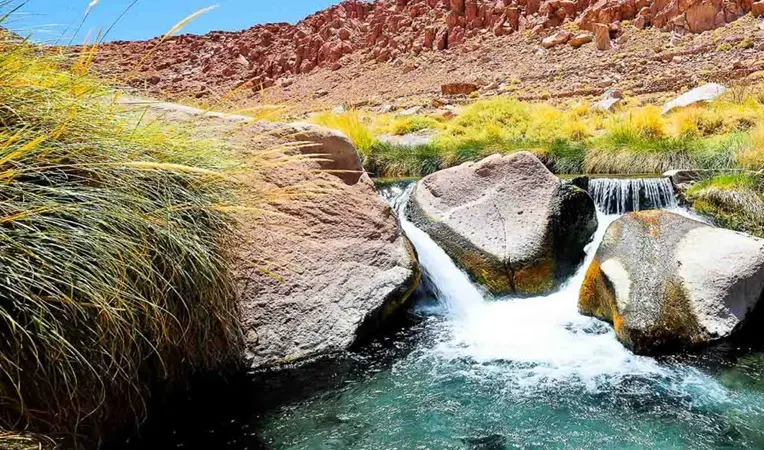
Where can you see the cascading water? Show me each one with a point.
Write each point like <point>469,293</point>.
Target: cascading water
<point>450,285</point>
<point>499,374</point>
<point>622,195</point>
<point>545,333</point>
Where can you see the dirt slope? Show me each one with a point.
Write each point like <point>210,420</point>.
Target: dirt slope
<point>359,53</point>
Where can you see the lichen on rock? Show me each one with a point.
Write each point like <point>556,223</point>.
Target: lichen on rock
<point>667,282</point>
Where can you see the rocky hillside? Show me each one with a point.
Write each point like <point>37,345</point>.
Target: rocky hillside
<point>357,39</point>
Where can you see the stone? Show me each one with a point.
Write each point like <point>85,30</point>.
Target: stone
<point>757,9</point>
<point>706,93</point>
<point>668,283</point>
<point>507,220</point>
<point>412,111</point>
<point>458,88</point>
<point>415,139</point>
<point>343,266</point>
<point>602,36</point>
<point>609,99</point>
<point>556,39</point>
<point>580,39</point>
<point>321,273</point>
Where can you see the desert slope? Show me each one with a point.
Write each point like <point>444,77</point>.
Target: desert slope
<point>408,49</point>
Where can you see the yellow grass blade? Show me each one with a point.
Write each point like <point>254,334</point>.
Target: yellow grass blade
<point>177,27</point>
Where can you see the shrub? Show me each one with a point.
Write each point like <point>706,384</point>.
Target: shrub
<point>409,124</point>
<point>752,157</point>
<point>725,47</point>
<point>745,44</point>
<point>114,268</point>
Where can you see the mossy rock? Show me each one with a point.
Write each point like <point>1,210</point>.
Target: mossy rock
<point>669,283</point>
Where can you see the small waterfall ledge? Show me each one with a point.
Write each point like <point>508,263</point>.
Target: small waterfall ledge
<point>623,195</point>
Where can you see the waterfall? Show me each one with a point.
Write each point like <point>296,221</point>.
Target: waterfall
<point>619,196</point>
<point>451,286</point>
<point>544,336</point>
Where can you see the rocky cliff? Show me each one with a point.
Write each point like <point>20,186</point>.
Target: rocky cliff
<point>388,30</point>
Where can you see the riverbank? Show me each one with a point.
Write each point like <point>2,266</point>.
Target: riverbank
<point>476,373</point>
<point>578,137</point>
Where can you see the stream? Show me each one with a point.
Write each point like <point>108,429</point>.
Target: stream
<point>475,373</point>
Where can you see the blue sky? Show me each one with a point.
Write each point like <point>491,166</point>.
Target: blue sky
<point>47,20</point>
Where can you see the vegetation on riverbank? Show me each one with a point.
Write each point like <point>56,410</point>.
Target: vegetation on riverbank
<point>732,201</point>
<point>114,264</point>
<point>577,138</point>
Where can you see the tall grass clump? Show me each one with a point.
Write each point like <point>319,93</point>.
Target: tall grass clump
<point>351,124</point>
<point>752,157</point>
<point>733,200</point>
<point>114,265</point>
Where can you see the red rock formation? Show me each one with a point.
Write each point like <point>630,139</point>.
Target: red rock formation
<point>381,31</point>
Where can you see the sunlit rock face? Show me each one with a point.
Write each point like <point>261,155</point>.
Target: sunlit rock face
<point>667,282</point>
<point>507,220</point>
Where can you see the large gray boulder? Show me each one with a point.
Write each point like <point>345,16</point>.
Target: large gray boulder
<point>318,273</point>
<point>326,271</point>
<point>667,282</point>
<point>507,220</point>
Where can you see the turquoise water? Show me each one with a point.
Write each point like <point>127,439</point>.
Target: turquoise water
<point>428,400</point>
<point>479,373</point>
<point>526,373</point>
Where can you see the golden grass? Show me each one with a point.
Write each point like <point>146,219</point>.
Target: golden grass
<point>752,157</point>
<point>350,123</point>
<point>572,138</point>
<point>115,246</point>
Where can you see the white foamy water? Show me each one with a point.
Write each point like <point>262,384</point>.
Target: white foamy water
<point>544,338</point>
<point>547,335</point>
<point>452,287</point>
<point>622,195</point>
<point>533,342</point>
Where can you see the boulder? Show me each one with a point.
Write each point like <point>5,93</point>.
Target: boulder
<point>580,39</point>
<point>668,283</point>
<point>602,36</point>
<point>319,273</point>
<point>341,266</point>
<point>458,88</point>
<point>556,39</point>
<point>706,93</point>
<point>507,220</point>
<point>336,152</point>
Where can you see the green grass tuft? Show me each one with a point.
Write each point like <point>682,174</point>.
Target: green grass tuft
<point>114,265</point>
<point>733,201</point>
